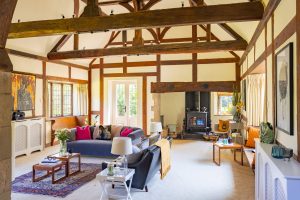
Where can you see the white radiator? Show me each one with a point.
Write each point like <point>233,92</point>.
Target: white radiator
<point>275,179</point>
<point>27,136</point>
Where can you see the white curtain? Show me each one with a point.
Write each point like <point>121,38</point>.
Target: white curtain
<point>256,94</point>
<point>80,99</point>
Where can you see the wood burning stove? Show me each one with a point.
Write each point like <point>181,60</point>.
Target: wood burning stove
<point>197,119</point>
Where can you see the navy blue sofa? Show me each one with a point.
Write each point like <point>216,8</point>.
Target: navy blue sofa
<point>97,147</point>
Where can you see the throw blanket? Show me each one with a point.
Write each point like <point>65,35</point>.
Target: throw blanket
<point>165,152</point>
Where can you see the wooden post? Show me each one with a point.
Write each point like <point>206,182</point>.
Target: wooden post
<point>298,75</point>
<point>7,8</point>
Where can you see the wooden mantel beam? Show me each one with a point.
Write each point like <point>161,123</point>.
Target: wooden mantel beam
<point>248,11</point>
<point>213,86</point>
<point>177,48</point>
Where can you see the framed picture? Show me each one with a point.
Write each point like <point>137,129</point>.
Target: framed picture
<point>23,92</point>
<point>284,89</point>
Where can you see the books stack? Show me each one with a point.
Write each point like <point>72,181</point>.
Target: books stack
<point>50,161</point>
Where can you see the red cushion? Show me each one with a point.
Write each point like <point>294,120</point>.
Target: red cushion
<point>126,132</point>
<point>83,133</point>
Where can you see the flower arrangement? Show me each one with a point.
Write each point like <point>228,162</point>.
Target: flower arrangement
<point>63,134</point>
<point>237,104</point>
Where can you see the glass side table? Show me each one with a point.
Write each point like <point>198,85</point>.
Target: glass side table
<point>120,177</point>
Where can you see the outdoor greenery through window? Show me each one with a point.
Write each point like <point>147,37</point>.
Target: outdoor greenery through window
<point>132,100</point>
<point>224,103</point>
<point>121,106</point>
<point>60,97</point>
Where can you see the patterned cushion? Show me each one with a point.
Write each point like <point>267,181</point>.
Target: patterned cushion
<point>223,125</point>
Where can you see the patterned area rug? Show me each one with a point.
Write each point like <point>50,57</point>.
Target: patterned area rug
<point>24,184</point>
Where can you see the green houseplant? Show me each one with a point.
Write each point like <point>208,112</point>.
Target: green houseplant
<point>63,135</point>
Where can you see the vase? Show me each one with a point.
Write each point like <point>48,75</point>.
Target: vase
<point>63,148</point>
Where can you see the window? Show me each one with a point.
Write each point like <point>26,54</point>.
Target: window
<point>60,98</point>
<point>224,103</point>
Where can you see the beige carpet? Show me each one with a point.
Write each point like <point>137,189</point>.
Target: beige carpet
<point>193,176</point>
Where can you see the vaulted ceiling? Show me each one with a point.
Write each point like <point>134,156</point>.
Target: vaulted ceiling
<point>32,10</point>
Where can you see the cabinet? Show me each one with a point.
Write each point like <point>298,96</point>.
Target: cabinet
<point>275,179</point>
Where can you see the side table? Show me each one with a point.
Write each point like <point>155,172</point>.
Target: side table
<point>232,146</point>
<point>119,178</point>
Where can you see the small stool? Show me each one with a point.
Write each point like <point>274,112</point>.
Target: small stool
<point>51,169</point>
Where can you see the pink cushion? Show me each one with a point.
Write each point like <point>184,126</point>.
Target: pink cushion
<point>83,133</point>
<point>126,132</point>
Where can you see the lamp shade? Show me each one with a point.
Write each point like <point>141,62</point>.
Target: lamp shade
<point>155,127</point>
<point>121,146</point>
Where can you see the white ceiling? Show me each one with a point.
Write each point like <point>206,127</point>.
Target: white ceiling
<point>33,10</point>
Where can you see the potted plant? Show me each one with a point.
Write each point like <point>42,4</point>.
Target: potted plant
<point>63,135</point>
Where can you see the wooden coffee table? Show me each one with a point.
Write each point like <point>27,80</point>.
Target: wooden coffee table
<point>232,146</point>
<point>67,158</point>
<point>51,169</point>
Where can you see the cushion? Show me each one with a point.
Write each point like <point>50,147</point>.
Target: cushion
<point>104,133</point>
<point>83,133</point>
<point>252,134</point>
<point>135,157</point>
<point>125,132</point>
<point>96,132</point>
<point>135,149</point>
<point>223,125</point>
<point>115,130</point>
<point>144,144</point>
<point>153,139</point>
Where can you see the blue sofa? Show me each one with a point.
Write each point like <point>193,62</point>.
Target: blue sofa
<point>97,147</point>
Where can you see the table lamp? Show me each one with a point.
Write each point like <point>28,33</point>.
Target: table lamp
<point>155,127</point>
<point>122,146</point>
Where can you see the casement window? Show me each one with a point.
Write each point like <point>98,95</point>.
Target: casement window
<point>60,99</point>
<point>224,103</point>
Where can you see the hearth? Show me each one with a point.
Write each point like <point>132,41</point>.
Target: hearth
<point>197,112</point>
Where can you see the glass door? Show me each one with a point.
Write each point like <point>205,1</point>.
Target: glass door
<point>124,103</point>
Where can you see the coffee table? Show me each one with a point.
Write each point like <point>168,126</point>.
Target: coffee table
<point>67,158</point>
<point>232,146</point>
<point>51,168</point>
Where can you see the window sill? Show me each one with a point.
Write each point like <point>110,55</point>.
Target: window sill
<point>223,115</point>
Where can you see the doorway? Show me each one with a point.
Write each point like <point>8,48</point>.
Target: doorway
<point>125,109</point>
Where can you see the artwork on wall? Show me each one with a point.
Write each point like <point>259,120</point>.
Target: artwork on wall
<point>23,92</point>
<point>284,89</point>
<point>244,93</point>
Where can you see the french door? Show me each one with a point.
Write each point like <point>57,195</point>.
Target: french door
<point>124,105</point>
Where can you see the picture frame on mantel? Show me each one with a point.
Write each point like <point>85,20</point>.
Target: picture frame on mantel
<point>284,60</point>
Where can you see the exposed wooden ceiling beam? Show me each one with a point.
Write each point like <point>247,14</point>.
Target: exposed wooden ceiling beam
<point>139,20</point>
<point>42,58</point>
<point>152,49</point>
<point>272,5</point>
<point>61,43</point>
<point>216,86</point>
